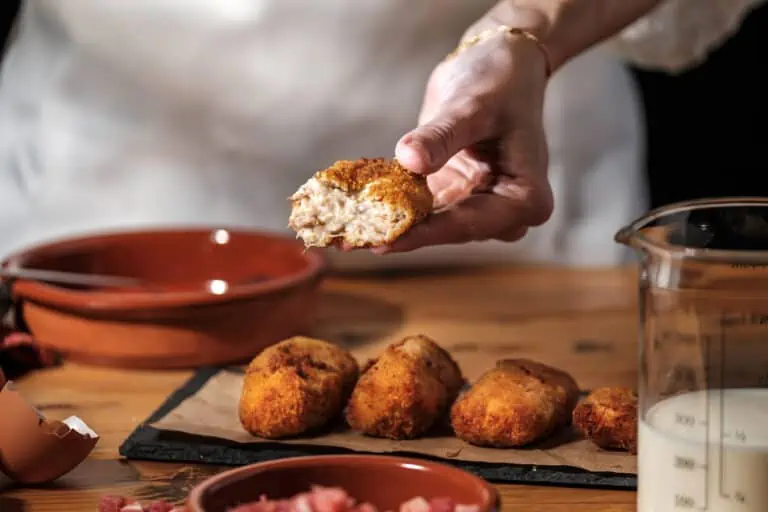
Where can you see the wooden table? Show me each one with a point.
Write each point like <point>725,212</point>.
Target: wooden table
<point>582,321</point>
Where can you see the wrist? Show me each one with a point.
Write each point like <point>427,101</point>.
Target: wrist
<point>517,38</point>
<point>537,17</point>
<point>568,27</point>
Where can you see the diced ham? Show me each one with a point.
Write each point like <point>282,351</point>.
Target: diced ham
<point>364,507</point>
<point>160,506</point>
<point>328,499</point>
<point>123,504</point>
<point>301,503</point>
<point>132,507</point>
<point>262,505</point>
<point>441,505</point>
<point>417,504</point>
<point>318,499</point>
<point>112,503</point>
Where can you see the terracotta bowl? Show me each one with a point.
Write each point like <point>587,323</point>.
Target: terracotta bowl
<point>207,296</point>
<point>382,481</point>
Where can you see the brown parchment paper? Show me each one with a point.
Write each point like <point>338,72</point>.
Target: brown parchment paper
<point>212,412</point>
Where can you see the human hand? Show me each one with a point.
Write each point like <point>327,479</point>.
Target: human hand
<point>481,142</point>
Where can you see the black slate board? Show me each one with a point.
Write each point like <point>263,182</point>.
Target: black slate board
<point>147,443</point>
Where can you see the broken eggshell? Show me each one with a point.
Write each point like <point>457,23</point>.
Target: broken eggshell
<point>34,450</point>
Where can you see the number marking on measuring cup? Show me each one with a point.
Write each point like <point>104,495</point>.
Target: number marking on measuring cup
<point>707,449</point>
<point>689,448</point>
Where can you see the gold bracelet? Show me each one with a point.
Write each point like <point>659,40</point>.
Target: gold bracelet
<point>509,32</point>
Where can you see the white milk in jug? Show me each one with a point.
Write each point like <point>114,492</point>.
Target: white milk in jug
<point>705,451</point>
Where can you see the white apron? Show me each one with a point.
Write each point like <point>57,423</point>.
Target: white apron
<point>126,113</point>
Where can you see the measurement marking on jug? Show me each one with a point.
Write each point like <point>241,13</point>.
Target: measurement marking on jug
<point>738,497</point>
<point>685,339</point>
<point>688,463</point>
<point>682,338</point>
<point>749,266</point>
<point>684,501</point>
<point>732,435</point>
<point>723,433</point>
<point>688,502</point>
<point>708,349</point>
<point>736,319</point>
<point>687,420</point>
<point>736,435</point>
<point>705,466</point>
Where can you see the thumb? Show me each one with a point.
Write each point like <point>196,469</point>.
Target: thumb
<point>428,148</point>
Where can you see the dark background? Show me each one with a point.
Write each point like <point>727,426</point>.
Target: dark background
<point>9,9</point>
<point>705,126</point>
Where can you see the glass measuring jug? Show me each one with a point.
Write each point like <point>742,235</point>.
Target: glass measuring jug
<point>703,387</point>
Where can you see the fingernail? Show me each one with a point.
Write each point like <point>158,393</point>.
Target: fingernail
<point>413,154</point>
<point>381,250</point>
<point>422,151</point>
<point>441,198</point>
<point>451,194</point>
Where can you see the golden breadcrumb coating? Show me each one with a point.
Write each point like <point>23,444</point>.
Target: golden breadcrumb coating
<point>296,386</point>
<point>405,391</point>
<point>515,404</point>
<point>363,203</point>
<point>608,418</point>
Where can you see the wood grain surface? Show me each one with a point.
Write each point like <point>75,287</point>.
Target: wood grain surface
<point>581,320</point>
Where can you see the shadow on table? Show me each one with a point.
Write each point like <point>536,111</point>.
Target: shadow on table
<point>175,487</point>
<point>406,273</point>
<point>353,320</point>
<point>12,504</point>
<point>92,473</point>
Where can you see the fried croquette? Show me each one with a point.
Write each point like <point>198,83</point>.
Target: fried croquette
<point>608,418</point>
<point>296,386</point>
<point>362,203</point>
<point>405,391</point>
<point>514,404</point>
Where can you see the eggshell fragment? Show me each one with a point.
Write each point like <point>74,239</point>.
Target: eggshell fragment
<point>34,450</point>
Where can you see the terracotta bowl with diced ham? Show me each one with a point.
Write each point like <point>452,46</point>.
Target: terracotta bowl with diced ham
<point>345,483</point>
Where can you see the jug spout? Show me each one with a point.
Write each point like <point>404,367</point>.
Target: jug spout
<point>645,234</point>
<point>628,235</point>
<point>716,229</point>
<point>625,236</point>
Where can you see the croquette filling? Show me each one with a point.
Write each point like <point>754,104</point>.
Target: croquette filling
<point>323,214</point>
